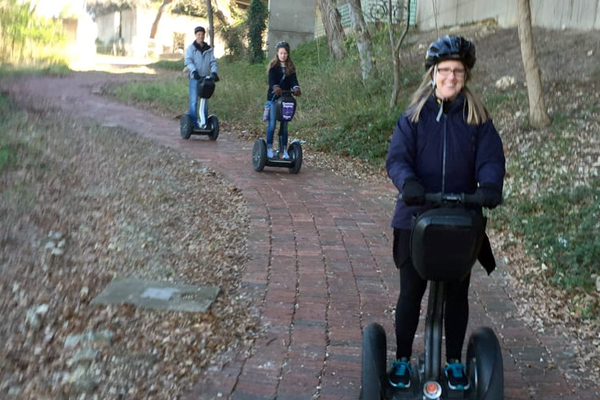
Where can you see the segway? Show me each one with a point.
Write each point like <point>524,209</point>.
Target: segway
<point>445,242</point>
<point>208,126</point>
<point>285,108</point>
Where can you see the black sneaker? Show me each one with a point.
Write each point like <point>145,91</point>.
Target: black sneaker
<point>456,374</point>
<point>400,374</point>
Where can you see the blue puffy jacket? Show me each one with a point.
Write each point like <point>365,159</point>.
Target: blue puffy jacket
<point>448,155</point>
<point>200,58</point>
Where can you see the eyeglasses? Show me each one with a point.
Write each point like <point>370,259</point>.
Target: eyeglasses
<point>458,73</point>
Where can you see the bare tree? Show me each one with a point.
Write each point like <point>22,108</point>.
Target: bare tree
<point>395,47</point>
<point>333,28</point>
<point>538,114</point>
<point>211,25</point>
<point>222,10</point>
<point>163,7</point>
<point>364,38</point>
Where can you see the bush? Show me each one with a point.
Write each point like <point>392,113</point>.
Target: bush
<point>562,230</point>
<point>26,39</point>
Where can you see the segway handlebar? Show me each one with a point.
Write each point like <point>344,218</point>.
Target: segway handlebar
<point>457,198</point>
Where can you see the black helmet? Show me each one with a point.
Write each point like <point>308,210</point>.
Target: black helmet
<point>199,29</point>
<point>285,45</point>
<point>451,48</point>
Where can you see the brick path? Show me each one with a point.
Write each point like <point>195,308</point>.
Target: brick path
<point>321,269</point>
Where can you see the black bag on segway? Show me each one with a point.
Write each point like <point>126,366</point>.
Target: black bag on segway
<point>445,242</point>
<point>206,88</point>
<point>285,108</point>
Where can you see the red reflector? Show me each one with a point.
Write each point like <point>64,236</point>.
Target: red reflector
<point>431,388</point>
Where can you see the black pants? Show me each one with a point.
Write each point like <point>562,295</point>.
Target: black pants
<point>408,308</point>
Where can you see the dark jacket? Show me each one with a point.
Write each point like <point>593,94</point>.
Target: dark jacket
<point>446,156</point>
<point>276,77</point>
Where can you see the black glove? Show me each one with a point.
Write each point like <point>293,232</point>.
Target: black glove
<point>277,90</point>
<point>413,193</point>
<point>489,196</point>
<point>196,75</point>
<point>215,76</point>
<point>297,92</point>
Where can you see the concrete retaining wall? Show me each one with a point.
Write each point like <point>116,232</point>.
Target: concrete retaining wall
<point>292,21</point>
<point>554,14</point>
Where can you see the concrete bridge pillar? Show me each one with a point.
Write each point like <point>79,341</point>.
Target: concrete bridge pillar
<point>292,21</point>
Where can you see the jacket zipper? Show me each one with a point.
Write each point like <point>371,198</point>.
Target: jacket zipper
<point>444,155</point>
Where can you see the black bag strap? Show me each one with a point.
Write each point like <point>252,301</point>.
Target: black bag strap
<point>280,82</point>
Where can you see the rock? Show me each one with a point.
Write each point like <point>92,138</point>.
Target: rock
<point>505,82</point>
<point>33,316</point>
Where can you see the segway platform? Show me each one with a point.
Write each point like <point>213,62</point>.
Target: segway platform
<point>260,159</point>
<point>188,128</point>
<point>206,88</point>
<point>445,243</point>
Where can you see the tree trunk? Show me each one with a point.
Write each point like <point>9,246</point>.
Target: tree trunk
<point>222,11</point>
<point>538,114</point>
<point>364,39</point>
<point>395,48</point>
<point>333,28</point>
<point>159,14</point>
<point>211,25</point>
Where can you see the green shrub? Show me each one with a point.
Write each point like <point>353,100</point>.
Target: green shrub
<point>563,232</point>
<point>27,39</point>
<point>257,23</point>
<point>8,148</point>
<point>171,65</point>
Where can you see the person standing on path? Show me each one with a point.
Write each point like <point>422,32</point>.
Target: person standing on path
<point>443,142</point>
<point>201,62</point>
<point>282,76</point>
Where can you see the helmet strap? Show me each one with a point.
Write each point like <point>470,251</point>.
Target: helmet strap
<point>433,85</point>
<point>439,114</point>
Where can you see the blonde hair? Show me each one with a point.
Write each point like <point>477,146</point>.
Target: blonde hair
<point>290,68</point>
<point>475,111</point>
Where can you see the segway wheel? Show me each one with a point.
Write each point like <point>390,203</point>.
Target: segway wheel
<point>373,375</point>
<point>295,152</point>
<point>485,367</point>
<point>185,126</point>
<point>213,122</point>
<point>259,155</point>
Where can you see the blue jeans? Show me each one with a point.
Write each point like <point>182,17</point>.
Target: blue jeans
<point>283,130</point>
<point>193,90</point>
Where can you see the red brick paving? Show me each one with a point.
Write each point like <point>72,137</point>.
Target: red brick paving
<point>321,269</point>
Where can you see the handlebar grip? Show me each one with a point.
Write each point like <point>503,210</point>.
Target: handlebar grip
<point>462,198</point>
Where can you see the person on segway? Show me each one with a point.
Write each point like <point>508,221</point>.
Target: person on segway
<point>445,142</point>
<point>282,77</point>
<point>201,63</point>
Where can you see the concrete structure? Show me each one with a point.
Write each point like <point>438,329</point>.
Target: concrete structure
<point>554,14</point>
<point>127,33</point>
<point>292,21</point>
<point>297,21</point>
<point>158,295</point>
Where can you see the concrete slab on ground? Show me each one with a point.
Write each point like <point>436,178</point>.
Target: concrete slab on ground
<point>158,295</point>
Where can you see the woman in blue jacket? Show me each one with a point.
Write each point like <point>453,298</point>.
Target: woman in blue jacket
<point>444,142</point>
<point>282,76</point>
